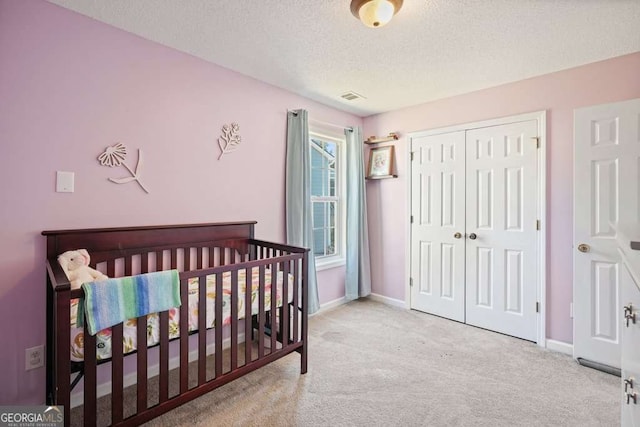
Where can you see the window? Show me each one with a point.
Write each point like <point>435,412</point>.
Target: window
<point>327,200</point>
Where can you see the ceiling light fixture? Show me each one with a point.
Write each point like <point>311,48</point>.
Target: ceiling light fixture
<point>375,13</point>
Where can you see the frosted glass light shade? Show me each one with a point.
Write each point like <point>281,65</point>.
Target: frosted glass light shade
<point>375,13</point>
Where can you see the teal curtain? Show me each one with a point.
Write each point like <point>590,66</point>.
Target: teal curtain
<point>298,195</point>
<point>358,275</point>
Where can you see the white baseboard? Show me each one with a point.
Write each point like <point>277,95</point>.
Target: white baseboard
<point>331,304</point>
<point>104,389</point>
<point>560,347</point>
<point>376,297</point>
<point>386,300</point>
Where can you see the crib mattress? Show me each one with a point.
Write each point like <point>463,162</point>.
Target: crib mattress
<point>103,338</point>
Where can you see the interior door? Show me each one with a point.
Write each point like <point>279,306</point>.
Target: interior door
<point>606,190</point>
<point>437,228</point>
<point>501,201</point>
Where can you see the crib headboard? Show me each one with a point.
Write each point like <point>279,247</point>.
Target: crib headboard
<point>104,240</point>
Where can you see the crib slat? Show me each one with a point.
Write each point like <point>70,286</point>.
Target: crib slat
<point>116,373</point>
<point>199,257</point>
<point>174,258</point>
<point>128,266</point>
<point>296,281</point>
<point>164,356</point>
<point>234,319</point>
<point>159,261</point>
<point>187,259</point>
<point>252,252</point>
<point>274,296</point>
<point>141,344</point>
<point>218,324</point>
<point>89,377</point>
<point>284,320</point>
<point>184,336</point>
<point>111,268</point>
<point>202,330</point>
<point>144,262</point>
<point>247,315</point>
<point>261,316</point>
<point>222,256</point>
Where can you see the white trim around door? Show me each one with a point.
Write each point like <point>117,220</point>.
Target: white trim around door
<point>540,117</point>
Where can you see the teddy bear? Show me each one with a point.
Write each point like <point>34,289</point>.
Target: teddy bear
<point>76,266</point>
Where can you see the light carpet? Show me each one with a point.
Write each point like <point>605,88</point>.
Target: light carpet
<point>375,365</point>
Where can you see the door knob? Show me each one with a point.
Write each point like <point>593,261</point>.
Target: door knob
<point>473,236</point>
<point>457,235</point>
<point>583,247</point>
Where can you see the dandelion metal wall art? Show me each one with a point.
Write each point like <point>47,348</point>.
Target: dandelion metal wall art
<point>114,156</point>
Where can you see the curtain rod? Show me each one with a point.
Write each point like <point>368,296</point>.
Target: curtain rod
<point>350,129</point>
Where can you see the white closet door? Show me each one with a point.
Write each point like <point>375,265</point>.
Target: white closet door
<point>437,209</point>
<point>501,206</point>
<point>607,165</point>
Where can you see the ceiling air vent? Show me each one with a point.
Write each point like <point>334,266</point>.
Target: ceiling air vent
<point>350,96</point>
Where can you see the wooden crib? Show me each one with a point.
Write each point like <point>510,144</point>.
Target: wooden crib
<point>199,252</point>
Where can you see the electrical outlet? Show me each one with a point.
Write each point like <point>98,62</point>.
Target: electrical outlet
<point>34,357</point>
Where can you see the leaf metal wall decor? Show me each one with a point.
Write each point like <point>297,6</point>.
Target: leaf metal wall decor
<point>230,139</point>
<point>114,156</point>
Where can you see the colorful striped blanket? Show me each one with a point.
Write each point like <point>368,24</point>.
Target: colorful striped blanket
<point>112,301</point>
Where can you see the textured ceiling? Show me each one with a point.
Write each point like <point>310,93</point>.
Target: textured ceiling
<point>432,49</point>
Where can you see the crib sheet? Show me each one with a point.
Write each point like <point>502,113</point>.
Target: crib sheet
<point>103,338</point>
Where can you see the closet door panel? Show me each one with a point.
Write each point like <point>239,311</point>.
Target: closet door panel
<point>437,256</point>
<point>501,178</point>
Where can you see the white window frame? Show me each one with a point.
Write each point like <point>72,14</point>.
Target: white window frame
<point>339,259</point>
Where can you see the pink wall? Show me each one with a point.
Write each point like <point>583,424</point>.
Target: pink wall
<point>71,86</point>
<point>558,93</point>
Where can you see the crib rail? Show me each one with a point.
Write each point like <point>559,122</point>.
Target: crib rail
<point>285,325</point>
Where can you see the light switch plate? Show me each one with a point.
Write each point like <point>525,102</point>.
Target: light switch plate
<point>64,182</point>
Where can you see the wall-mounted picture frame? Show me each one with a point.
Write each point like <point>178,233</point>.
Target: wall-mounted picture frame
<point>381,162</point>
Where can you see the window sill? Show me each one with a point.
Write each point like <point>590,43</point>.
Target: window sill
<point>326,264</point>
